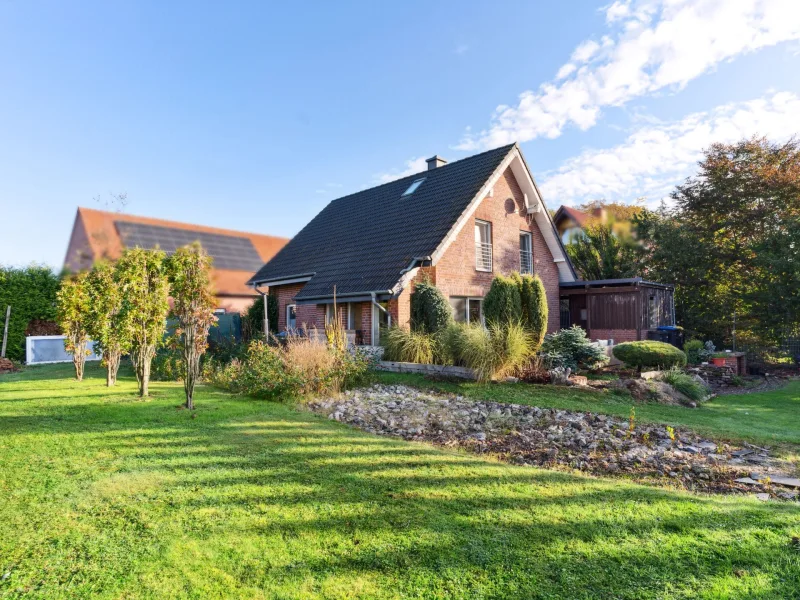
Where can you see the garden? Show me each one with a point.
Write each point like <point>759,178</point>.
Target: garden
<point>296,468</point>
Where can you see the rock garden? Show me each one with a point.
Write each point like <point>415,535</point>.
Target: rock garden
<point>553,438</point>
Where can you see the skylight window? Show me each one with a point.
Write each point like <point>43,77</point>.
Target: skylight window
<point>413,187</point>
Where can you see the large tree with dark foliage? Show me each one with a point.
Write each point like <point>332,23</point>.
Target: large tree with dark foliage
<point>731,243</point>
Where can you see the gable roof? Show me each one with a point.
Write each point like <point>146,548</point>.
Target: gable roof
<point>367,241</point>
<point>106,234</point>
<point>567,212</point>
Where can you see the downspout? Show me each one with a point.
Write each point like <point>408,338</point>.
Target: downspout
<point>266,311</point>
<point>375,303</point>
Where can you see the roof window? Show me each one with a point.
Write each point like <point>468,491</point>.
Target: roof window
<point>413,187</point>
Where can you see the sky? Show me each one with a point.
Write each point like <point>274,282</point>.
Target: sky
<point>253,115</point>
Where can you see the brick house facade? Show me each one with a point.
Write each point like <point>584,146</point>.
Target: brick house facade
<point>504,212</point>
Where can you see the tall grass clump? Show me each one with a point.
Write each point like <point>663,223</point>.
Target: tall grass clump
<point>404,345</point>
<point>493,352</point>
<point>685,384</point>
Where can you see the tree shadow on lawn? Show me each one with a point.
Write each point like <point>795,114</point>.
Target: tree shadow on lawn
<point>282,498</point>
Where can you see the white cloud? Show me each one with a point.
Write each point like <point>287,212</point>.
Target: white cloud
<point>413,165</point>
<point>657,156</point>
<point>655,44</point>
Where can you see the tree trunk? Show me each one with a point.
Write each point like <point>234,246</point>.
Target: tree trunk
<point>144,357</point>
<point>79,360</point>
<point>112,358</point>
<point>191,360</point>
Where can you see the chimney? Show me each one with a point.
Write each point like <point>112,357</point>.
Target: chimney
<point>435,161</point>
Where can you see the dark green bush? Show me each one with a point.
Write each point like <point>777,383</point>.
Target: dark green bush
<point>430,310</point>
<point>693,349</point>
<point>570,348</point>
<point>534,306</point>
<point>31,293</point>
<point>503,304</point>
<point>253,319</point>
<point>167,365</point>
<point>649,353</point>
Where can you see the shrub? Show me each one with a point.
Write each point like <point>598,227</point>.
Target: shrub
<point>685,384</point>
<point>405,345</point>
<point>302,366</point>
<point>534,306</point>
<point>253,319</point>
<point>571,349</point>
<point>430,310</point>
<point>502,304</point>
<point>73,318</point>
<point>492,352</point>
<point>31,293</point>
<point>693,348</point>
<point>649,353</point>
<point>167,365</point>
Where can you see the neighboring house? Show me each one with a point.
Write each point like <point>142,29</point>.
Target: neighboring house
<point>458,224</point>
<point>98,234</point>
<point>570,222</point>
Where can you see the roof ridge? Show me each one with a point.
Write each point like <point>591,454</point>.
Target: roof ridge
<point>507,148</point>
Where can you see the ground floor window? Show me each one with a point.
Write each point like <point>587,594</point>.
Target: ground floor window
<point>291,317</point>
<point>466,309</point>
<point>354,315</point>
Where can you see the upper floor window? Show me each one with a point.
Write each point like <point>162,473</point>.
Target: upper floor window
<point>525,253</point>
<point>483,245</point>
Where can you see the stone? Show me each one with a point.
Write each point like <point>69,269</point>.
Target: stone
<point>787,481</point>
<point>741,453</point>
<point>763,496</point>
<point>746,480</point>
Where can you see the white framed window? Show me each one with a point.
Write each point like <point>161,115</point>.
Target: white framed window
<point>467,309</point>
<point>291,317</point>
<point>483,245</point>
<point>525,253</point>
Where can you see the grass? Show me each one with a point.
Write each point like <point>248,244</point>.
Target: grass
<point>103,495</point>
<point>767,417</point>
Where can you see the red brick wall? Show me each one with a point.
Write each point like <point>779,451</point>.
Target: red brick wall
<point>618,335</point>
<point>455,272</point>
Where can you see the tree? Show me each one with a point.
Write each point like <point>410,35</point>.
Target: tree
<point>602,253</point>
<point>730,242</point>
<point>193,305</point>
<point>534,306</point>
<point>502,304</point>
<point>105,325</point>
<point>73,308</point>
<point>145,289</point>
<point>430,310</point>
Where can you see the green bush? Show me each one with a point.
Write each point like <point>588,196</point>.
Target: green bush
<point>167,365</point>
<point>430,310</point>
<point>300,367</point>
<point>534,306</point>
<point>403,345</point>
<point>693,349</point>
<point>253,319</point>
<point>502,304</point>
<point>649,353</point>
<point>492,352</point>
<point>571,349</point>
<point>31,293</point>
<point>685,384</point>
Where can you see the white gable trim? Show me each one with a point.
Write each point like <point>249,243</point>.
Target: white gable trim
<point>534,206</point>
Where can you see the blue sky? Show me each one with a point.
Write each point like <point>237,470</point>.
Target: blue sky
<point>254,115</point>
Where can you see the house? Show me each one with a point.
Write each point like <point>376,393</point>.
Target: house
<point>458,224</point>
<point>98,234</point>
<point>570,222</point>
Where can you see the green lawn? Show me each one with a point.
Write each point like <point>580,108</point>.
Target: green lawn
<point>104,495</point>
<point>767,417</point>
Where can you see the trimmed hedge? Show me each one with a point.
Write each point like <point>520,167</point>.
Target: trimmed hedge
<point>503,303</point>
<point>31,292</point>
<point>649,353</point>
<point>430,310</point>
<point>534,306</point>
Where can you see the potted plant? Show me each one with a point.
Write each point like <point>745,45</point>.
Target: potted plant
<point>718,359</point>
